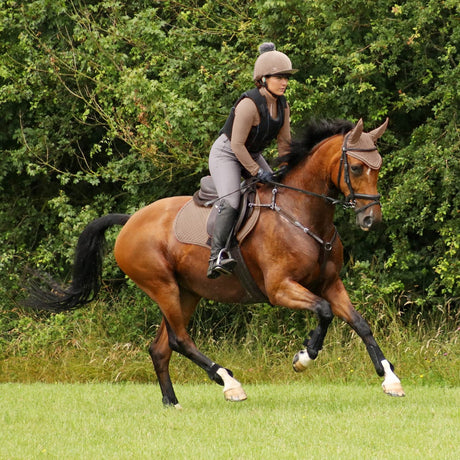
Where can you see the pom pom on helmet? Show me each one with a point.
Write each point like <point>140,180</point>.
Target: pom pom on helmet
<point>267,46</point>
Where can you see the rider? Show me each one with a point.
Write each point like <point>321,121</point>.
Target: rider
<point>258,116</point>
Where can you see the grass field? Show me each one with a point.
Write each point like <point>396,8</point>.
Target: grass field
<point>300,420</point>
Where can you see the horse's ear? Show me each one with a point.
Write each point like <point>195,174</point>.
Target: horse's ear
<point>355,134</point>
<point>376,133</point>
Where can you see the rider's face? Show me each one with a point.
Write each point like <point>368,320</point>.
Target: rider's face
<point>277,84</point>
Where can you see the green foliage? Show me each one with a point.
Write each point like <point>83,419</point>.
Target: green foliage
<point>108,105</point>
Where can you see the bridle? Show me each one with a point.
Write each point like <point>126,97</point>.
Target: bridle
<point>350,199</point>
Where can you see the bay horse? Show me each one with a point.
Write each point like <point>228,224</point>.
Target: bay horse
<point>294,254</point>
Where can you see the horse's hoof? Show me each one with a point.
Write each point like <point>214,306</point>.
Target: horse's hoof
<point>393,389</point>
<point>301,361</point>
<point>170,405</point>
<point>235,394</point>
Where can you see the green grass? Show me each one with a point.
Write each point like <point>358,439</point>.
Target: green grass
<point>300,420</point>
<point>425,359</point>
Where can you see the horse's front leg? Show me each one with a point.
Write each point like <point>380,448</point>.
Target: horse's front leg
<point>291,294</point>
<point>342,307</point>
<point>314,344</point>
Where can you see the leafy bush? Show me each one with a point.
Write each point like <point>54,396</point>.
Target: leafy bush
<point>106,107</point>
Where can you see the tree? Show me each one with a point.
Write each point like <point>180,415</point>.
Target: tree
<point>107,106</point>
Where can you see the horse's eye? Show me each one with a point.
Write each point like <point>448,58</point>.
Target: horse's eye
<point>356,169</point>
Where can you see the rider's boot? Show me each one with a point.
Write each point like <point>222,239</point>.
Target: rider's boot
<point>220,261</point>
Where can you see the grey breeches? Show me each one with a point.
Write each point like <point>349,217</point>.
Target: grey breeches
<point>226,170</point>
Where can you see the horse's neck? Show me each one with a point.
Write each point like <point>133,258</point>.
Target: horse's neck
<point>314,174</point>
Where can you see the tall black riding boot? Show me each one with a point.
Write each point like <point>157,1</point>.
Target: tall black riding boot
<point>220,260</point>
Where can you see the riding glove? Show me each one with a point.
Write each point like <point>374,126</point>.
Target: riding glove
<point>264,176</point>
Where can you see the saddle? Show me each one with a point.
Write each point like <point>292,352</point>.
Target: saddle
<point>207,195</point>
<point>194,224</point>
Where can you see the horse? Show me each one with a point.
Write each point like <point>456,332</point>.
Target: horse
<point>294,254</point>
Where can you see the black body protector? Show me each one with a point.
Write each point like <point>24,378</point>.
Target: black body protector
<point>261,135</point>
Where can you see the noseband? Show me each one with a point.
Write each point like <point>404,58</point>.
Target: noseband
<point>350,199</point>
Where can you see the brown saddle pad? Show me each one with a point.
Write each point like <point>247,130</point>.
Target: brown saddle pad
<point>190,225</point>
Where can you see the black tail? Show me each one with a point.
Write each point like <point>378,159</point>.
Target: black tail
<point>87,271</point>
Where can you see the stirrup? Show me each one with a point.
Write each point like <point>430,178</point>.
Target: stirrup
<point>224,263</point>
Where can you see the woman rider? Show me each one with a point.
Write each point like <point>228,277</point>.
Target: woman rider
<point>258,116</point>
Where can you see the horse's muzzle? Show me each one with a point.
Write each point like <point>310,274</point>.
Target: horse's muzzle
<point>367,223</point>
<point>368,219</point>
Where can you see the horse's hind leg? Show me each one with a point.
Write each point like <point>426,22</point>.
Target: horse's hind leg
<point>173,336</point>
<point>160,352</point>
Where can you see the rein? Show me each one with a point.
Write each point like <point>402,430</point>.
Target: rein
<point>349,202</point>
<point>329,199</point>
<point>350,199</point>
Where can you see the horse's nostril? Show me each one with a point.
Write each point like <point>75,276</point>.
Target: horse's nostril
<point>368,221</point>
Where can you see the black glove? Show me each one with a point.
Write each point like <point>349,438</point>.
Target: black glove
<point>264,176</point>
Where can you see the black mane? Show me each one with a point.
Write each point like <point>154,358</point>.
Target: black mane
<point>314,132</point>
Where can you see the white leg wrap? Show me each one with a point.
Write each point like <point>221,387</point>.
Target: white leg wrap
<point>391,385</point>
<point>301,361</point>
<point>233,391</point>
